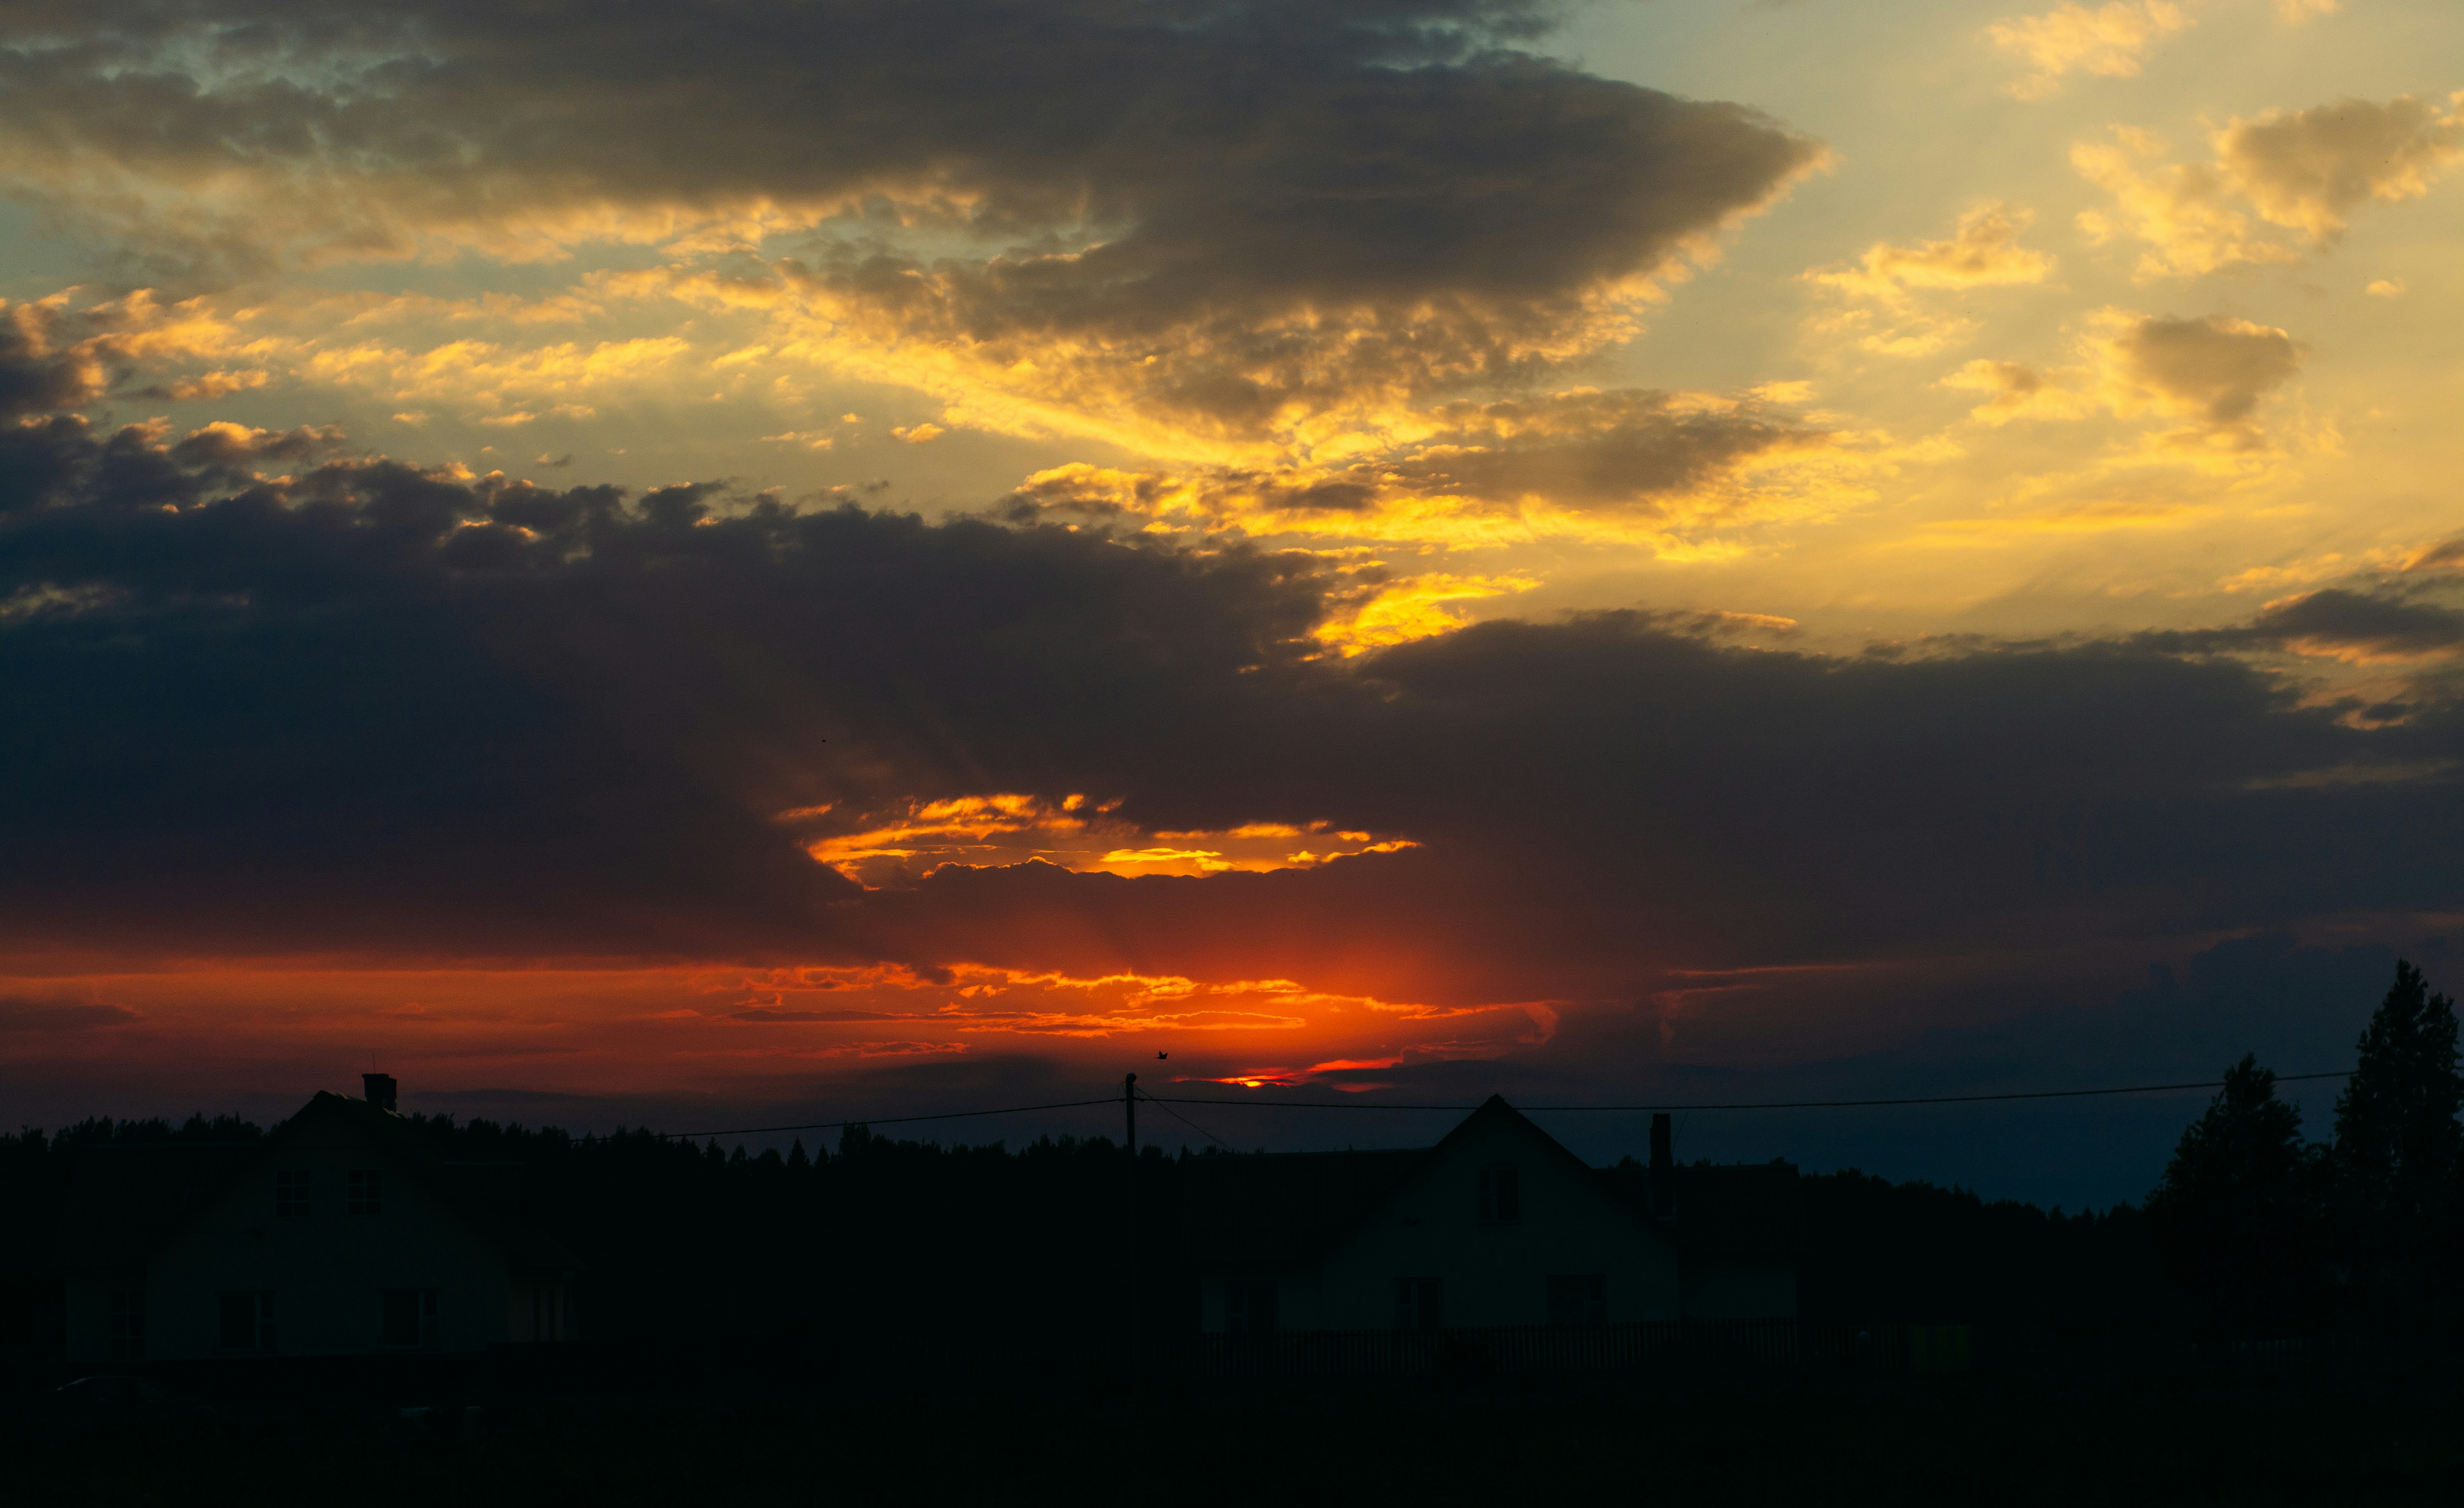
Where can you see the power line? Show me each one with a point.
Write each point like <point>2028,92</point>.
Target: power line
<point>1168,1101</point>
<point>1185,1120</point>
<point>886,1120</point>
<point>1770,1104</point>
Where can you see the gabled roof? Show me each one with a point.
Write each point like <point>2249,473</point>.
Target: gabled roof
<point>1248,1209</point>
<point>124,1196</point>
<point>1244,1209</point>
<point>126,1199</point>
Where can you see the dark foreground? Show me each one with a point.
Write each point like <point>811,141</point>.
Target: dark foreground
<point>1950,1440</point>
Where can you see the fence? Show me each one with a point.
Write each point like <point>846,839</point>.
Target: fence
<point>1665,1349</point>
<point>1646,1354</point>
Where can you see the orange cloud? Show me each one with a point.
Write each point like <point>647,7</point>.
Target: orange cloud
<point>879,850</point>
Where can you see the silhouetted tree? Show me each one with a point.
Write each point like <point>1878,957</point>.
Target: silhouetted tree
<point>2236,1213</point>
<point>1875,1250</point>
<point>2399,1153</point>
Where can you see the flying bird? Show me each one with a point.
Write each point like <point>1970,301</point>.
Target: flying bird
<point>1160,1056</point>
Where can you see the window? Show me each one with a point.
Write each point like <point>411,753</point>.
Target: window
<point>1500,1195</point>
<point>247,1323</point>
<point>543,1326</point>
<point>290,1194</point>
<point>1419,1303</point>
<point>127,1323</point>
<point>1249,1308</point>
<point>365,1186</point>
<point>410,1317</point>
<point>1578,1299</point>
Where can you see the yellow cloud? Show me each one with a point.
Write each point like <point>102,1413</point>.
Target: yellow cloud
<point>2296,574</point>
<point>1415,607</point>
<point>2107,42</point>
<point>83,345</point>
<point>2017,392</point>
<point>1983,251</point>
<point>2104,515</point>
<point>2305,171</point>
<point>1666,472</point>
<point>207,385</point>
<point>483,374</point>
<point>2214,372</point>
<point>2175,209</point>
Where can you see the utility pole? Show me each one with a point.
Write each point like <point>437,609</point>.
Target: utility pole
<point>1129,1108</point>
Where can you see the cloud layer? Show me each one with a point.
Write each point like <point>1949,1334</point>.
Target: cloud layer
<point>1199,222</point>
<point>371,707</point>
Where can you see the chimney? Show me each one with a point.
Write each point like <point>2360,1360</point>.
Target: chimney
<point>1664,1168</point>
<point>378,1090</point>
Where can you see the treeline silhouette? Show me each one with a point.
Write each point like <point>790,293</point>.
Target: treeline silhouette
<point>2251,1229</point>
<point>2262,1231</point>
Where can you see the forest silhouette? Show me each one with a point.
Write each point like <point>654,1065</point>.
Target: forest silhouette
<point>2252,1231</point>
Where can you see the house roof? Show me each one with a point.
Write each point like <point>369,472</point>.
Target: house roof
<point>124,1196</point>
<point>1248,1209</point>
<point>125,1199</point>
<point>1242,1209</point>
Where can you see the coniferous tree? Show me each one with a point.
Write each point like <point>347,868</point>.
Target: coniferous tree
<point>2399,1153</point>
<point>2236,1214</point>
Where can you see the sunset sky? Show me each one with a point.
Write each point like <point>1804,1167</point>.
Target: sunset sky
<point>726,563</point>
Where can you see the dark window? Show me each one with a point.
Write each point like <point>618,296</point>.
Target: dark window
<point>127,1324</point>
<point>247,1323</point>
<point>410,1317</point>
<point>1500,1195</point>
<point>290,1193</point>
<point>1249,1308</point>
<point>1419,1303</point>
<point>1578,1299</point>
<point>366,1190</point>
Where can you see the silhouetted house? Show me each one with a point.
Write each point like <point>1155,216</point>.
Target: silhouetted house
<point>339,1234</point>
<point>1496,1225</point>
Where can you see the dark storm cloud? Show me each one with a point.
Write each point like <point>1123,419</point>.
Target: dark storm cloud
<point>1627,451</point>
<point>230,445</point>
<point>1599,797</point>
<point>1593,450</point>
<point>1202,180</point>
<point>389,707</point>
<point>2367,625</point>
<point>375,707</point>
<point>2444,555</point>
<point>36,375</point>
<point>1239,152</point>
<point>2372,625</point>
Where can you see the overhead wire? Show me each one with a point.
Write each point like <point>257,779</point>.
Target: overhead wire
<point>1150,1099</point>
<point>885,1121</point>
<point>1167,1101</point>
<point>1682,1107</point>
